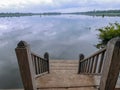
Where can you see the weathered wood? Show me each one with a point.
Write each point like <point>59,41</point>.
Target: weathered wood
<point>111,65</point>
<point>91,69</point>
<point>40,64</point>
<point>85,66</point>
<point>89,65</point>
<point>63,76</point>
<point>25,65</point>
<point>95,54</point>
<point>46,56</point>
<point>96,62</point>
<point>101,62</point>
<point>35,65</point>
<point>81,57</point>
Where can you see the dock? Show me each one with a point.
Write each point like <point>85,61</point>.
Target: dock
<point>99,71</point>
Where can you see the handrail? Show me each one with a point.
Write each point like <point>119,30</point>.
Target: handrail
<point>92,64</point>
<point>40,64</point>
<point>105,62</point>
<point>96,53</point>
<point>111,67</point>
<point>30,64</point>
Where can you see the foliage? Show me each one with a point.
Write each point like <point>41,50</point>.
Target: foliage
<point>107,33</point>
<point>102,13</point>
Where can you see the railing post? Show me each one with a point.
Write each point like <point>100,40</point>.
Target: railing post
<point>46,56</point>
<point>111,65</point>
<point>23,54</point>
<point>81,57</point>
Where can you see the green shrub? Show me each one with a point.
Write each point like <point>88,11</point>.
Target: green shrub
<point>107,33</point>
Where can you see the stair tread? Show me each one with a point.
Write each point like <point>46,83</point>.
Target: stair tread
<point>63,74</point>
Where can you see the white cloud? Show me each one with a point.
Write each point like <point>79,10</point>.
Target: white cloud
<point>22,3</point>
<point>46,5</point>
<point>107,1</point>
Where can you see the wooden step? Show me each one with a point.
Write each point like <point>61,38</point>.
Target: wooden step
<point>70,88</point>
<point>63,75</point>
<point>64,61</point>
<point>65,65</point>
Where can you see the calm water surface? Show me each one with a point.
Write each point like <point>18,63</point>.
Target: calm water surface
<point>64,37</point>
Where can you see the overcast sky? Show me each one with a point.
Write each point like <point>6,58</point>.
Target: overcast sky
<point>57,5</point>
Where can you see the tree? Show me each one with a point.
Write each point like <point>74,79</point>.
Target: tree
<point>107,33</point>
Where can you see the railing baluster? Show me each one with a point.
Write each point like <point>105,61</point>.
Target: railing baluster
<point>92,65</point>
<point>35,64</point>
<point>81,67</point>
<point>43,66</point>
<point>38,65</point>
<point>93,68</point>
<point>46,56</point>
<point>84,66</point>
<point>101,62</point>
<point>81,57</point>
<point>96,62</point>
<point>88,65</point>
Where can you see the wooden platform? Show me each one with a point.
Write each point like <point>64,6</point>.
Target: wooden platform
<point>63,76</point>
<point>63,73</point>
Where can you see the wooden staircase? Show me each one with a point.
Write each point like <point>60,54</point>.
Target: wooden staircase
<point>99,71</point>
<point>63,76</point>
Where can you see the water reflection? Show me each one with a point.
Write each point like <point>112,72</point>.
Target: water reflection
<point>63,37</point>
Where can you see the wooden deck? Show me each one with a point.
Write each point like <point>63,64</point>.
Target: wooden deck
<point>100,70</point>
<point>63,76</point>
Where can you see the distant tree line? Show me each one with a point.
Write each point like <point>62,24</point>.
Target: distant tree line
<point>27,14</point>
<point>102,13</point>
<point>91,13</point>
<point>15,14</point>
<point>99,13</point>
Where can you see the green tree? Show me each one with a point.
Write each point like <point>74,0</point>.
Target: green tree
<point>107,33</point>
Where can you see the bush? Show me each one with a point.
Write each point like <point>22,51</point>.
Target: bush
<point>107,33</point>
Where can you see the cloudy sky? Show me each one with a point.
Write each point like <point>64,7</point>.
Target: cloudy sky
<point>57,5</point>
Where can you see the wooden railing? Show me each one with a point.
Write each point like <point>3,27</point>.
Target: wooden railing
<point>92,64</point>
<point>41,65</point>
<point>30,65</point>
<point>105,62</point>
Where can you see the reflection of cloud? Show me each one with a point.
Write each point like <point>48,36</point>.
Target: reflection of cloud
<point>88,36</point>
<point>2,44</point>
<point>50,33</point>
<point>3,26</point>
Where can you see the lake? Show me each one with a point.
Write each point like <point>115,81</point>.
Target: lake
<point>63,36</point>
